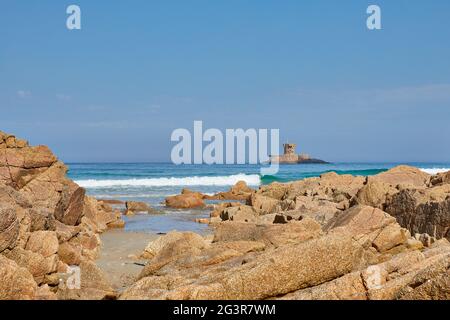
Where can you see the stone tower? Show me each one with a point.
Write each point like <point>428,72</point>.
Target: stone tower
<point>289,148</point>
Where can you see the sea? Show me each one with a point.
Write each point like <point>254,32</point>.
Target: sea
<point>153,182</point>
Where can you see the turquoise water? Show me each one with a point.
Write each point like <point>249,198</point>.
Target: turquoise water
<point>152,182</point>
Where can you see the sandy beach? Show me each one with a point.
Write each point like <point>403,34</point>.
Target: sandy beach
<point>119,257</point>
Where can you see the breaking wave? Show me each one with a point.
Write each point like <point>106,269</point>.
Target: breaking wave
<point>303,175</point>
<point>253,180</point>
<point>435,170</point>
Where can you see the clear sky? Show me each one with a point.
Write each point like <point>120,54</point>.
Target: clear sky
<point>137,70</point>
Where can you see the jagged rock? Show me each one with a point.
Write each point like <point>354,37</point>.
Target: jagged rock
<point>41,220</point>
<point>414,244</point>
<point>202,220</point>
<point>136,206</point>
<point>70,254</point>
<point>43,242</point>
<point>10,141</point>
<point>184,201</point>
<point>243,216</point>
<point>11,197</point>
<point>329,186</point>
<point>44,190</point>
<point>44,215</point>
<point>425,239</point>
<point>170,247</point>
<point>240,191</point>
<point>98,217</point>
<point>69,209</point>
<point>320,210</point>
<point>239,214</point>
<point>29,158</point>
<point>16,283</point>
<point>423,210</point>
<point>226,255</point>
<point>193,193</point>
<point>410,275</point>
<point>267,218</point>
<point>270,234</point>
<point>362,255</point>
<point>404,175</point>
<point>425,279</point>
<point>151,288</point>
<point>347,287</point>
<point>44,293</point>
<point>341,187</point>
<point>93,285</point>
<point>241,187</point>
<point>215,256</point>
<point>111,201</point>
<point>23,163</point>
<point>274,190</point>
<point>372,227</point>
<point>264,205</point>
<point>25,226</point>
<point>281,219</point>
<point>89,242</point>
<point>37,264</point>
<point>65,232</point>
<point>360,220</point>
<point>154,247</point>
<point>222,251</point>
<point>374,193</point>
<point>118,224</point>
<point>441,178</point>
<point>9,228</point>
<point>264,275</point>
<point>269,274</point>
<point>219,208</point>
<point>390,237</point>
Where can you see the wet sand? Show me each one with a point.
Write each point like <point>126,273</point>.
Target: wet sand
<point>119,256</point>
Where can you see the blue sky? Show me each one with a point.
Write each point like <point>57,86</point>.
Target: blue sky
<point>137,70</point>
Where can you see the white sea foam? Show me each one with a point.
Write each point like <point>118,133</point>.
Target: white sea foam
<point>434,170</point>
<point>253,180</point>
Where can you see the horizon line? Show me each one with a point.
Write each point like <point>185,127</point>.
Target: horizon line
<point>235,164</point>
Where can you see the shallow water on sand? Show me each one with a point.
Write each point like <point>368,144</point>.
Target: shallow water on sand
<point>180,220</point>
